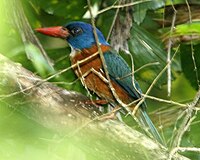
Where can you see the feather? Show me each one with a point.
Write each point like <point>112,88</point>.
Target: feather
<point>120,72</point>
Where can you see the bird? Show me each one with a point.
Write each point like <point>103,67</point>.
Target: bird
<point>84,52</point>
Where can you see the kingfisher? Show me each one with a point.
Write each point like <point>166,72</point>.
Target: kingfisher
<point>89,68</point>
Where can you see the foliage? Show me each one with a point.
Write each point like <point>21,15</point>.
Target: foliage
<point>148,43</point>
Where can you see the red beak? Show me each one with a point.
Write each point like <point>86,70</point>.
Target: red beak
<point>57,31</point>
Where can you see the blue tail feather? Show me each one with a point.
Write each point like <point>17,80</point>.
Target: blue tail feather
<point>148,123</point>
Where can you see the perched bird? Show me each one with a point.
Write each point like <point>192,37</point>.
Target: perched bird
<point>80,37</point>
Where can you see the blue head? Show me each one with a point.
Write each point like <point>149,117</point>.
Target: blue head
<point>81,35</point>
<point>78,34</point>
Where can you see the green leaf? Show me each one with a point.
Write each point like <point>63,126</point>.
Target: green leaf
<point>183,29</point>
<point>188,64</point>
<point>40,64</point>
<point>187,29</point>
<point>141,9</point>
<point>140,13</point>
<point>177,2</point>
<point>147,49</point>
<point>66,9</point>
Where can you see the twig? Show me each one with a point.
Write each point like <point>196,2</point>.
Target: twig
<point>152,84</point>
<point>183,113</point>
<point>137,70</point>
<point>186,122</point>
<point>191,149</point>
<point>121,6</point>
<point>192,47</point>
<point>147,65</point>
<point>165,101</point>
<point>196,100</point>
<point>103,60</point>
<point>113,22</point>
<point>184,127</point>
<point>50,77</point>
<point>169,76</point>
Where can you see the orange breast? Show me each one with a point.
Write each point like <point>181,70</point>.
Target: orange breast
<point>94,82</point>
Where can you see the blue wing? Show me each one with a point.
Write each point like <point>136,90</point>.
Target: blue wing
<point>121,73</point>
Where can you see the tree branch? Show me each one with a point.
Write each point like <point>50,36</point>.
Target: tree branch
<point>65,112</point>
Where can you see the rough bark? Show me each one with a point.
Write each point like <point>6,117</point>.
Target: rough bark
<point>65,111</point>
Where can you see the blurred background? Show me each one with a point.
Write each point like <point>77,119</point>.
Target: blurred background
<point>149,31</point>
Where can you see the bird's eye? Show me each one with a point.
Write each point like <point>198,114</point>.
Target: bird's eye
<point>76,31</point>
